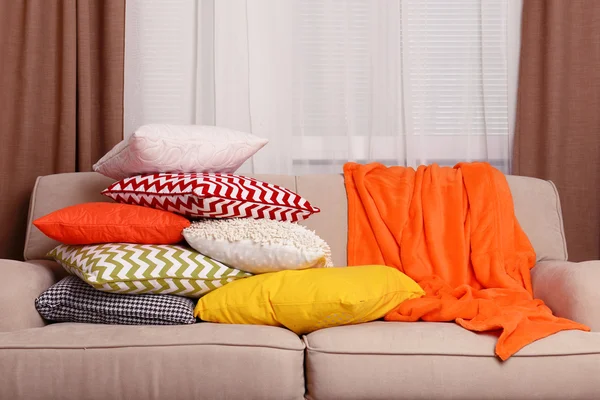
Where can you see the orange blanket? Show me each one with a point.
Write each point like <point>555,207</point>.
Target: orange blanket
<point>453,230</point>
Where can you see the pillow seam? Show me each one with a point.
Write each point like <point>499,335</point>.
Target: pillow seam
<point>319,303</point>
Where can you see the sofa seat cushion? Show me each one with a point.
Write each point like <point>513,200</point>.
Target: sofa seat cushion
<point>426,360</point>
<point>208,361</point>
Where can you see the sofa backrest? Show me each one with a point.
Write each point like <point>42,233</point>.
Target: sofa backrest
<point>536,205</point>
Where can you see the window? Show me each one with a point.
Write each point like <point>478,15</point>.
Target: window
<point>403,82</point>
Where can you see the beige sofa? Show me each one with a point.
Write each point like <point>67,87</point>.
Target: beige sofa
<point>370,361</point>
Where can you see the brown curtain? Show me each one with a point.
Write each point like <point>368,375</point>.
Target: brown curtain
<point>558,112</point>
<point>61,96</point>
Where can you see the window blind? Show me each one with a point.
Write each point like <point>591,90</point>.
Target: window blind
<point>406,81</point>
<point>402,82</point>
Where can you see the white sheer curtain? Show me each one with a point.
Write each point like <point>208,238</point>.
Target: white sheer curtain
<point>403,82</point>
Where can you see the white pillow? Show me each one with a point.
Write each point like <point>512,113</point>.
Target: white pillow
<point>258,245</point>
<point>179,149</point>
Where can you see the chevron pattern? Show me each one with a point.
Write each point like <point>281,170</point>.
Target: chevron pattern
<point>142,268</point>
<point>207,195</point>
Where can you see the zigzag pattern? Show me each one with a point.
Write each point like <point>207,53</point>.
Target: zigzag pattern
<point>137,268</point>
<point>212,196</point>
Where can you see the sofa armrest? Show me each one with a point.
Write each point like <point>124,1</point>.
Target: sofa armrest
<point>571,290</point>
<point>20,284</point>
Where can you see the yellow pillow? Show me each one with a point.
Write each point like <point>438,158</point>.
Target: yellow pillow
<point>306,300</point>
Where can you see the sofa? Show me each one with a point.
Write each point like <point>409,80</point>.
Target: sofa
<point>377,360</point>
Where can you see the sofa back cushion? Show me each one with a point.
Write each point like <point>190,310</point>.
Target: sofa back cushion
<point>536,204</point>
<point>537,207</point>
<point>53,192</point>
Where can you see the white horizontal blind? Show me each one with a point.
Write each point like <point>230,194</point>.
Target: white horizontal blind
<point>160,45</point>
<point>347,83</point>
<point>332,67</point>
<point>401,82</point>
<point>455,56</point>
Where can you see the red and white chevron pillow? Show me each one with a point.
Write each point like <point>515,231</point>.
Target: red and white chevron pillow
<point>209,195</point>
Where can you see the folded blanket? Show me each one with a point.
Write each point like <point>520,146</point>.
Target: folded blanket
<point>454,231</point>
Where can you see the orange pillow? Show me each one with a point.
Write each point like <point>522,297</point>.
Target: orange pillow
<point>91,223</point>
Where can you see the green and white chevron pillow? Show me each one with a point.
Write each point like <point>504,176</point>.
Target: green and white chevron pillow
<point>145,268</point>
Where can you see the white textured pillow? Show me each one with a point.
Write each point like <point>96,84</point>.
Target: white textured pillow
<point>177,149</point>
<point>258,245</point>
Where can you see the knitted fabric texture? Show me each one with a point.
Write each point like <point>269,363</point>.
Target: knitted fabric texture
<point>260,235</point>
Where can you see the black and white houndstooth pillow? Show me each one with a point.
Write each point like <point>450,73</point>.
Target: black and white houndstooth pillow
<point>73,300</point>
